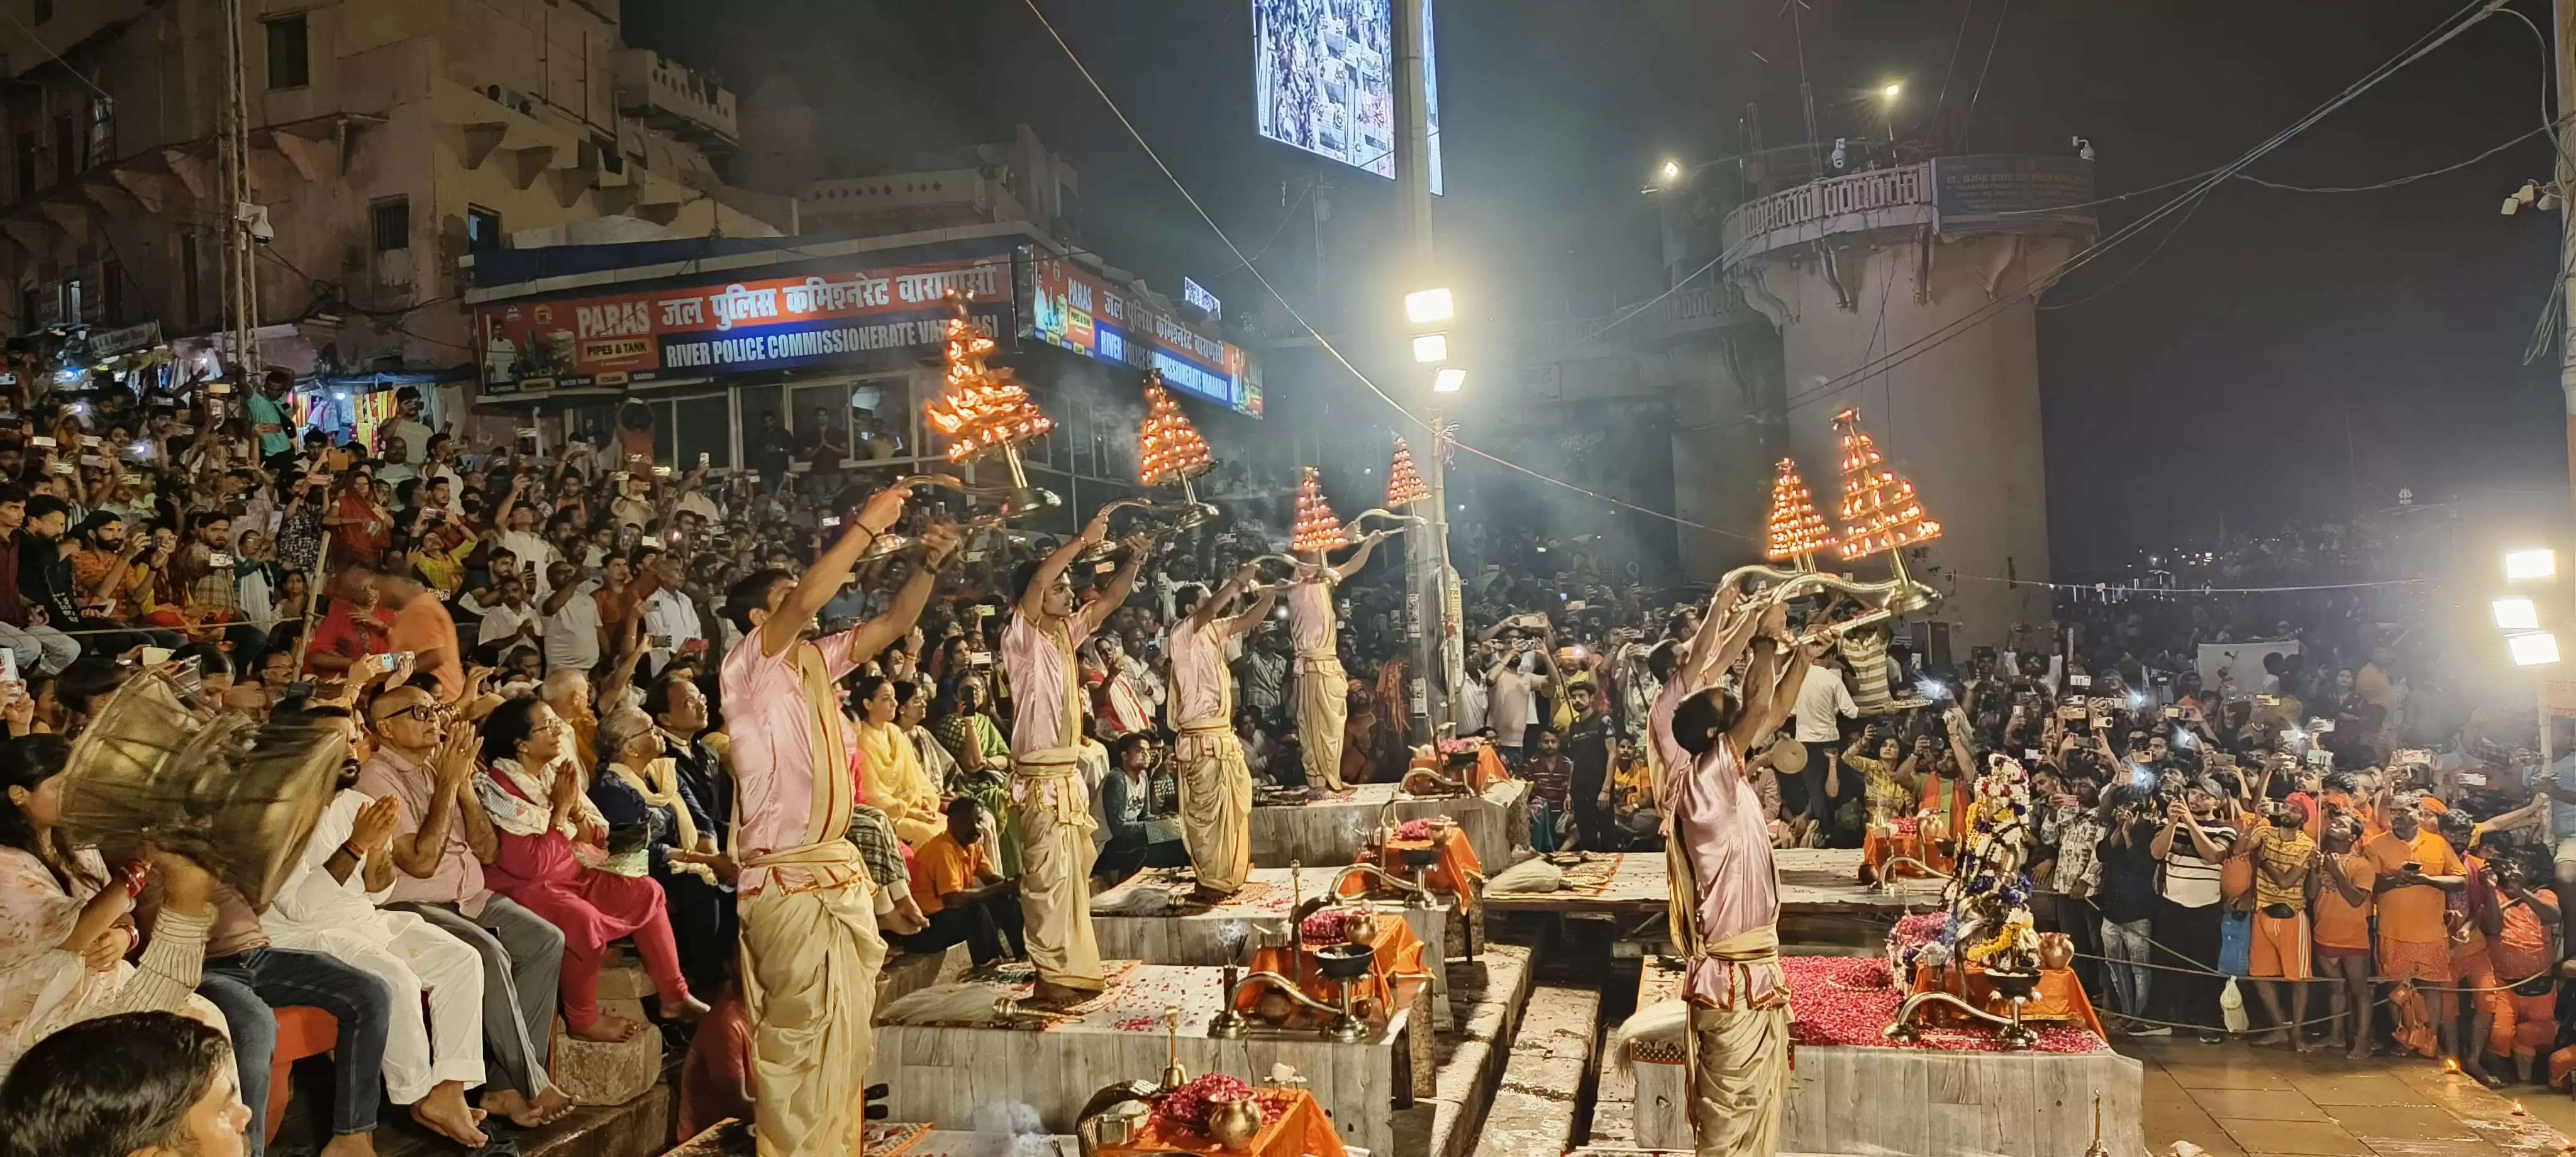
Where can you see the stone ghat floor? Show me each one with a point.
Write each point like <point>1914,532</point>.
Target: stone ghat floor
<point>2236,1100</point>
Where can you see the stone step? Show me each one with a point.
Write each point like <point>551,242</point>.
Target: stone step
<point>639,1128</point>
<point>1488,994</point>
<point>1534,1109</point>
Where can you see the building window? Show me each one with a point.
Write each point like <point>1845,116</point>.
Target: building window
<point>482,230</point>
<point>389,221</point>
<point>26,165</point>
<point>111,294</point>
<point>66,148</point>
<point>191,306</point>
<point>102,129</point>
<point>289,65</point>
<point>44,10</point>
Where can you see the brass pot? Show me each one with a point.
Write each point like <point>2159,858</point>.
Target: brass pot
<point>1234,1123</point>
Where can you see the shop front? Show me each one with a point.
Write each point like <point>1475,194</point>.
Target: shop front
<point>825,366</point>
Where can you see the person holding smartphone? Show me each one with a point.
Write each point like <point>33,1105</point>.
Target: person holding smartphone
<point>2416,871</point>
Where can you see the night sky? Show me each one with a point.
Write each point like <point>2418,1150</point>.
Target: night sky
<point>2286,355</point>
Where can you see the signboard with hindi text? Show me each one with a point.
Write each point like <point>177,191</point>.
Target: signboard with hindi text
<point>886,317</point>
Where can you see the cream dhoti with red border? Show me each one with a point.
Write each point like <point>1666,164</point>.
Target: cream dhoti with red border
<point>811,955</point>
<point>1739,1053</point>
<point>1323,709</point>
<point>1216,804</point>
<point>1052,808</point>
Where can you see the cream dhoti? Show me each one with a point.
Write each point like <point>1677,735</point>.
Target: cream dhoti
<point>810,960</point>
<point>1052,809</point>
<point>1739,1052</point>
<point>1323,708</point>
<point>1216,804</point>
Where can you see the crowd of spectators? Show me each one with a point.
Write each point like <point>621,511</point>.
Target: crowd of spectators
<point>521,647</point>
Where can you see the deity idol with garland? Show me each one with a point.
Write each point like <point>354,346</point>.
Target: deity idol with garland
<point>1989,898</point>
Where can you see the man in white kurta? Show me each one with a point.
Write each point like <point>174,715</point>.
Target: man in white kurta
<point>1216,784</point>
<point>1323,691</point>
<point>1050,802</point>
<point>327,906</point>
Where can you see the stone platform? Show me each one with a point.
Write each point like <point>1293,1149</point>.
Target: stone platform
<point>732,1138</point>
<point>1254,918</point>
<point>1915,1100</point>
<point>1330,830</point>
<point>945,1073</point>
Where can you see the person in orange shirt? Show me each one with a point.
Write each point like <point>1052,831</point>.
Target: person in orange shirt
<point>2340,895</point>
<point>964,898</point>
<point>2416,871</point>
<point>2524,919</point>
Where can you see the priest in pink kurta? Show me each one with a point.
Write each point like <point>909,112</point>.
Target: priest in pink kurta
<point>810,947</point>
<point>1216,783</point>
<point>1323,692</point>
<point>1726,894</point>
<point>1050,803</point>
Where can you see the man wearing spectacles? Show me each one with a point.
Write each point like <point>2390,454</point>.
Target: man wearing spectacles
<point>441,840</point>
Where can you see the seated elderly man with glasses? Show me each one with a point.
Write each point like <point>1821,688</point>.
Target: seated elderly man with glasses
<point>441,840</point>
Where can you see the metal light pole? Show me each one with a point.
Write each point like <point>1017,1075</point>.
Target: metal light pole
<point>1432,601</point>
<point>2565,23</point>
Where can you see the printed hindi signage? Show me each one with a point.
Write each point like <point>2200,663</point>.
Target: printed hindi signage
<point>2011,194</point>
<point>1073,309</point>
<point>892,316</point>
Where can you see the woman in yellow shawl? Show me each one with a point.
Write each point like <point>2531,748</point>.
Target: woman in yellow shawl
<point>889,769</point>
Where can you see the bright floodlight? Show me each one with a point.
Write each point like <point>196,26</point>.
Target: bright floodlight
<point>1892,90</point>
<point>1430,347</point>
<point>1424,306</point>
<point>1448,380</point>
<point>2537,649</point>
<point>2516,614</point>
<point>1672,171</point>
<point>2522,565</point>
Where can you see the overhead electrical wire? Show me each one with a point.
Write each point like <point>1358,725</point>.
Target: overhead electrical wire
<point>2441,33</point>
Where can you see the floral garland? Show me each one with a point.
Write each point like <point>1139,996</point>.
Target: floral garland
<point>1989,899</point>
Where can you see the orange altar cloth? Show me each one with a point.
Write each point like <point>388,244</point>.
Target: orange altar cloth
<point>1454,876</point>
<point>1878,848</point>
<point>1398,953</point>
<point>2060,996</point>
<point>1296,1127</point>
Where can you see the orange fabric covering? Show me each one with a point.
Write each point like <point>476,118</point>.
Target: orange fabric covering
<point>1297,1127</point>
<point>2060,996</point>
<point>1454,876</point>
<point>1877,848</point>
<point>1399,953</point>
<point>301,1032</point>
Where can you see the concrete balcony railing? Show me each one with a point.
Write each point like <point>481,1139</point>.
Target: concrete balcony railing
<point>1873,199</point>
<point>1688,311</point>
<point>674,98</point>
<point>927,200</point>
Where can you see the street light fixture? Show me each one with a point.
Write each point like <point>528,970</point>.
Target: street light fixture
<point>1430,348</point>
<point>1672,171</point>
<point>1424,306</point>
<point>1892,91</point>
<point>2537,649</point>
<point>1448,380</point>
<point>2516,614</point>
<point>2526,565</point>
